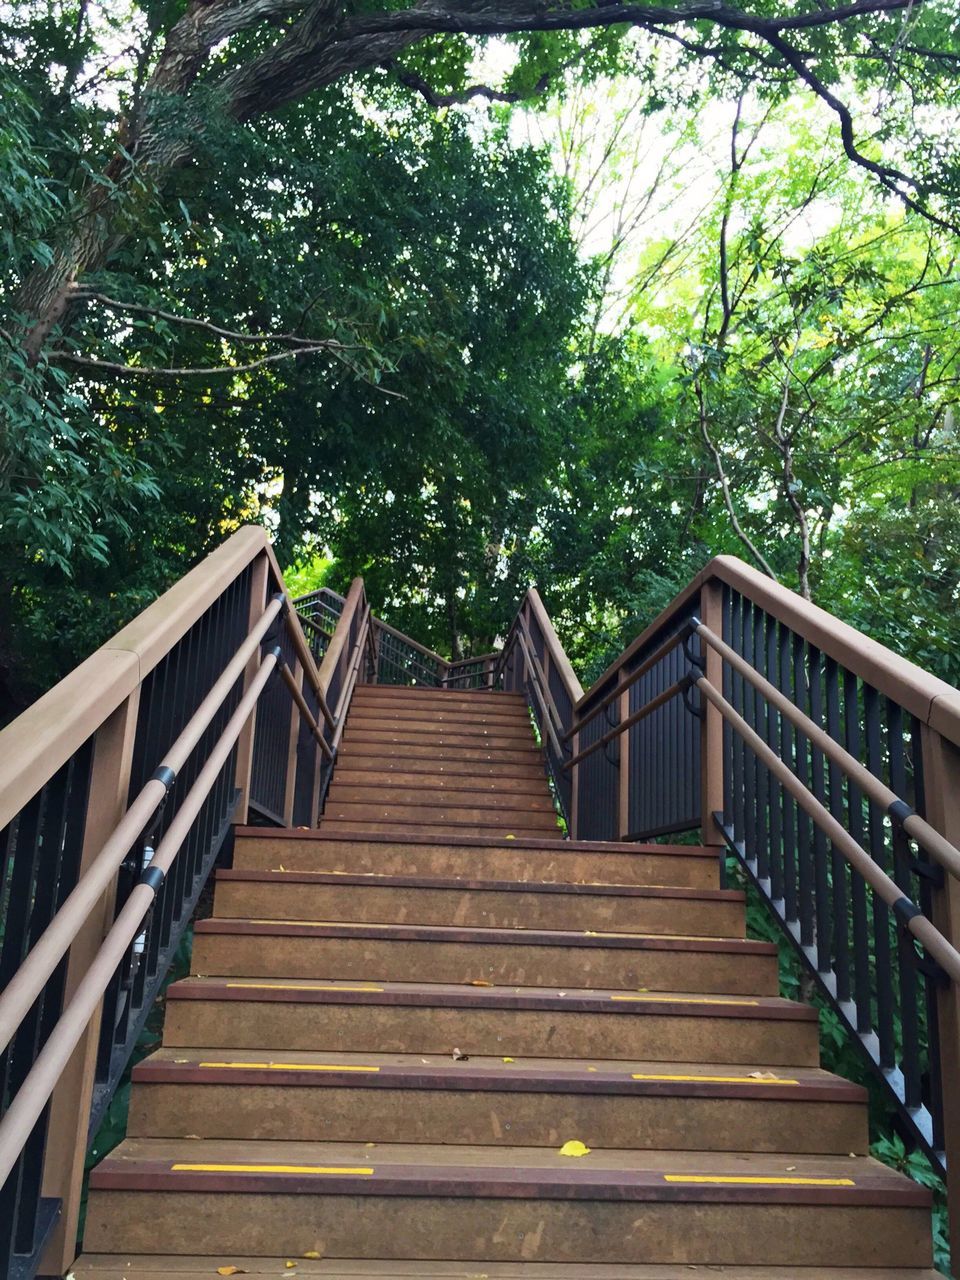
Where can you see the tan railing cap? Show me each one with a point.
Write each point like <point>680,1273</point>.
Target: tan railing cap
<point>48,733</point>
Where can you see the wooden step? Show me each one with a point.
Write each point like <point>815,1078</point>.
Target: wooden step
<point>328,896</point>
<point>485,858</point>
<point>440,738</point>
<point>430,724</point>
<point>504,1204</point>
<point>395,1017</point>
<point>356,829</point>
<point>151,1266</point>
<point>216,1093</point>
<point>442,699</point>
<point>447,815</point>
<point>468,719</point>
<point>358,747</point>
<point>415,766</point>
<point>502,781</point>
<point>527,957</point>
<point>458,795</point>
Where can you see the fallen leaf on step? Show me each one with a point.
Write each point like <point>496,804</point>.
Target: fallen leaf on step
<point>195,1136</point>
<point>312,1253</point>
<point>230,1271</point>
<point>508,1059</point>
<point>763,1075</point>
<point>480,982</point>
<point>460,1057</point>
<point>574,1148</point>
<point>791,1168</point>
<point>509,837</point>
<point>288,1264</point>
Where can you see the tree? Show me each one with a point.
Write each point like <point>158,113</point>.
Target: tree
<point>446,260</point>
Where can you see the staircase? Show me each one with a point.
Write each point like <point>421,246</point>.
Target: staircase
<point>399,1022</point>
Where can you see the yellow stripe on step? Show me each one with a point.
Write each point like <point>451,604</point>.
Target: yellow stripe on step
<point>268,1168</point>
<point>299,986</point>
<point>287,1066</point>
<point>686,1000</point>
<point>721,1180</point>
<point>713,1079</point>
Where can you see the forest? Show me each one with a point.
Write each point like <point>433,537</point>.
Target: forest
<point>463,297</point>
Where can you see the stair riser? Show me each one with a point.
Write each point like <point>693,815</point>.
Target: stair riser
<point>442,701</point>
<point>653,1037</point>
<point>375,796</point>
<point>494,1118</point>
<point>437,753</point>
<point>216,955</point>
<point>477,778</point>
<point>127,1222</point>
<point>427,720</point>
<point>264,854</point>
<point>412,770</point>
<point>507,909</point>
<point>425,733</point>
<point>361,811</point>
<point>437,830</point>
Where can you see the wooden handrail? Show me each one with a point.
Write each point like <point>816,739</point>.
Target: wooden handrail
<point>331,658</point>
<point>44,737</point>
<point>931,700</point>
<point>558,658</point>
<point>49,949</point>
<point>30,1099</point>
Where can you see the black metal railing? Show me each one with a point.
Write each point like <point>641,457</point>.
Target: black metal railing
<point>40,859</point>
<point>869,968</point>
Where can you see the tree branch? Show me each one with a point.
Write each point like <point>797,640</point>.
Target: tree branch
<point>193,322</point>
<point>412,81</point>
<point>162,371</point>
<point>894,180</point>
<point>725,485</point>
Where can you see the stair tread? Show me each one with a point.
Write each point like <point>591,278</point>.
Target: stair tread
<point>483,934</point>
<point>458,884</point>
<point>467,996</point>
<point>316,834</point>
<point>435,1071</point>
<point>500,1172</point>
<point>202,1268</point>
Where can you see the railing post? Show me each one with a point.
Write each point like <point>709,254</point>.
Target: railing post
<point>290,794</point>
<point>72,1099</point>
<point>711,732</point>
<point>941,785</point>
<point>575,791</point>
<point>259,573</point>
<point>623,780</point>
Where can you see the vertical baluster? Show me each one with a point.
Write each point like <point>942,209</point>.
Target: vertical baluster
<point>806,875</point>
<point>838,865</point>
<point>749,713</point>
<point>760,724</point>
<point>788,804</point>
<point>772,799</point>
<point>736,699</point>
<point>858,888</point>
<point>883,976</point>
<point>727,728</point>
<point>906,946</point>
<point>821,869</point>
